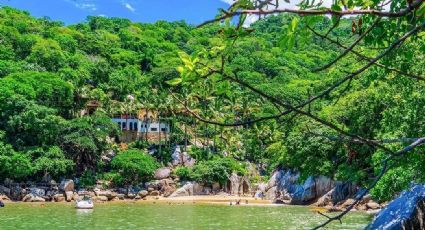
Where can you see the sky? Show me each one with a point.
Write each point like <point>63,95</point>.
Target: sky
<point>74,11</point>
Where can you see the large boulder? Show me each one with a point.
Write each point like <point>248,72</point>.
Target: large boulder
<point>181,158</point>
<point>59,198</point>
<point>143,193</point>
<point>32,198</point>
<point>38,191</point>
<point>4,190</point>
<point>69,195</point>
<point>67,185</point>
<point>186,190</point>
<point>311,189</point>
<point>162,173</point>
<point>405,212</point>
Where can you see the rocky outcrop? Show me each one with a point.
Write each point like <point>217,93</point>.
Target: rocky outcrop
<point>32,198</point>
<point>162,173</point>
<point>283,185</point>
<point>181,158</point>
<point>237,185</point>
<point>186,190</point>
<point>405,212</point>
<point>67,185</point>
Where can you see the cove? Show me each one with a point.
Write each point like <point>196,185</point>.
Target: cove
<point>163,216</point>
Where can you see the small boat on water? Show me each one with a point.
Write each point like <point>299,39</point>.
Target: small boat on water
<point>85,203</point>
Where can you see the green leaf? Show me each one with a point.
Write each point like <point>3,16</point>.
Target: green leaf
<point>175,81</point>
<point>294,24</point>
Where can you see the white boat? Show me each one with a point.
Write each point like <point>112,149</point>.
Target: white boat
<point>85,203</point>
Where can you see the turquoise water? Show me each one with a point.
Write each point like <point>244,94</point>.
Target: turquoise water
<point>163,216</point>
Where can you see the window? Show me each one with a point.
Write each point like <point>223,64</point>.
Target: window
<point>135,126</point>
<point>124,125</point>
<point>154,129</point>
<point>164,129</point>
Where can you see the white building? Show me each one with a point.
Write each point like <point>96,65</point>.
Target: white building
<point>141,126</point>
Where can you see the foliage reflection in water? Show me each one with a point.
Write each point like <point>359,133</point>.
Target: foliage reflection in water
<point>164,216</point>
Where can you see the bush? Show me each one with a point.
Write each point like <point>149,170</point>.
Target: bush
<point>88,179</point>
<point>184,173</point>
<point>217,170</point>
<point>134,166</point>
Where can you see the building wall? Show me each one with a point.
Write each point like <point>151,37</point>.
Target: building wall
<point>141,126</point>
<point>135,129</point>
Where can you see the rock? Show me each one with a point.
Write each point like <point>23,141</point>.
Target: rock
<point>32,198</point>
<point>131,196</point>
<point>168,190</point>
<point>373,205</point>
<point>120,196</point>
<point>366,199</point>
<point>75,196</point>
<point>311,189</point>
<point>181,158</point>
<point>69,195</point>
<point>143,193</point>
<point>325,200</point>
<point>38,191</point>
<point>216,187</point>
<point>162,173</point>
<point>108,193</point>
<point>4,198</point>
<point>59,198</point>
<point>137,197</point>
<point>405,212</point>
<point>343,191</point>
<point>151,189</point>
<point>4,190</point>
<point>186,190</point>
<point>154,193</point>
<point>101,198</point>
<point>347,203</point>
<point>66,185</point>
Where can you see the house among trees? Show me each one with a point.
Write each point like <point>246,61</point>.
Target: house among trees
<point>144,125</point>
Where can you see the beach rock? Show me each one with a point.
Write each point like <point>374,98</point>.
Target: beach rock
<point>4,190</point>
<point>69,195</point>
<point>4,198</point>
<point>59,198</point>
<point>311,189</point>
<point>137,197</point>
<point>17,193</point>
<point>325,200</point>
<point>75,196</point>
<point>162,173</point>
<point>186,190</point>
<point>154,193</point>
<point>373,205</point>
<point>120,196</point>
<point>101,198</point>
<point>143,193</point>
<point>32,198</point>
<point>38,191</point>
<point>343,190</point>
<point>67,185</point>
<point>405,212</point>
<point>181,158</point>
<point>131,195</point>
<point>347,203</point>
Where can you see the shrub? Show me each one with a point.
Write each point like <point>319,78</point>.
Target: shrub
<point>184,173</point>
<point>217,170</point>
<point>134,166</point>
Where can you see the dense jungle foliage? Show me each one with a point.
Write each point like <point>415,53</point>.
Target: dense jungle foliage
<point>49,72</point>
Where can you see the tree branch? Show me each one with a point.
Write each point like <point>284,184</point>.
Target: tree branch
<point>417,77</point>
<point>350,48</point>
<point>326,11</point>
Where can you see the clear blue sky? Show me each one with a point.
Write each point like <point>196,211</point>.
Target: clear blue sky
<point>73,11</point>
